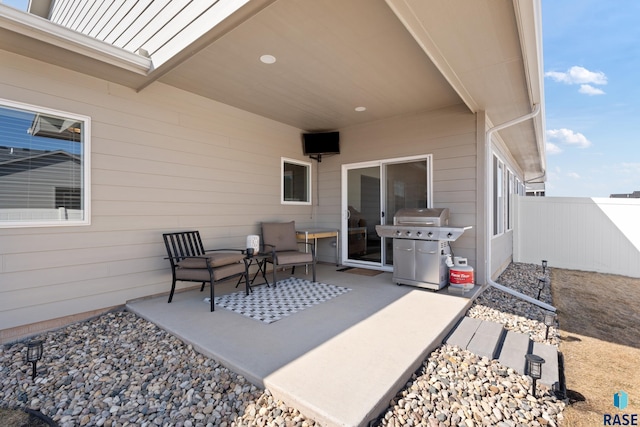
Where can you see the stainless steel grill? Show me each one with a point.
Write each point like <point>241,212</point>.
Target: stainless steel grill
<point>420,246</point>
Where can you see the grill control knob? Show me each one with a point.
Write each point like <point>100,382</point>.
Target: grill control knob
<point>430,234</point>
<point>408,233</point>
<point>449,235</point>
<point>398,233</point>
<point>419,234</point>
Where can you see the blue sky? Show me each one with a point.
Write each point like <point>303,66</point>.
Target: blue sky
<point>592,96</point>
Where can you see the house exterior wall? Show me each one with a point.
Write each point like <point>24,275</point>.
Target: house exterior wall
<point>167,160</point>
<point>162,160</point>
<point>502,243</point>
<point>448,134</point>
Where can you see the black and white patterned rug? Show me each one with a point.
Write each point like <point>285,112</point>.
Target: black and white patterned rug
<point>271,304</point>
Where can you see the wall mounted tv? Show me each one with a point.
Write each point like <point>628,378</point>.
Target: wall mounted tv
<point>317,144</point>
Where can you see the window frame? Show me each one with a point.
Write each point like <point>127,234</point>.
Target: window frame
<point>85,162</point>
<point>505,185</point>
<point>308,166</point>
<point>498,196</point>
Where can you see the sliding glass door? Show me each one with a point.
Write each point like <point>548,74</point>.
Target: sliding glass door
<point>372,193</point>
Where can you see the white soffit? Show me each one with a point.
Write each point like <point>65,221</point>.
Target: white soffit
<point>491,54</point>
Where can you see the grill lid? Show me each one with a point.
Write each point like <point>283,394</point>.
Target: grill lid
<point>430,217</point>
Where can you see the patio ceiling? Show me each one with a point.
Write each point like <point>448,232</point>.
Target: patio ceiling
<point>394,57</point>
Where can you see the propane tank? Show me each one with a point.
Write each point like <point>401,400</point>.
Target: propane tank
<point>461,274</point>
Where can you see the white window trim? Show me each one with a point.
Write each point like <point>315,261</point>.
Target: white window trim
<point>308,165</point>
<point>510,185</point>
<point>86,167</point>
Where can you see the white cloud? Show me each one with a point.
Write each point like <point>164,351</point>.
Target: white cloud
<point>573,175</point>
<point>590,90</point>
<point>553,148</point>
<point>578,75</point>
<point>568,137</point>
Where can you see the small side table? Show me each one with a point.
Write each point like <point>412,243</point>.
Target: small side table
<point>260,260</point>
<point>319,233</point>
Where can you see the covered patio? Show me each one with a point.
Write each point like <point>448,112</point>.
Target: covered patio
<point>340,361</point>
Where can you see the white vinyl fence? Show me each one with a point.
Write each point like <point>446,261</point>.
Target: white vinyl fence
<point>601,235</point>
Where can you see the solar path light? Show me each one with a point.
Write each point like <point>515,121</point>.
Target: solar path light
<point>541,282</point>
<point>549,320</point>
<point>34,354</point>
<point>534,369</point>
<point>544,266</point>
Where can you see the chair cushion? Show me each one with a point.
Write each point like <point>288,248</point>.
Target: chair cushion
<point>282,235</point>
<point>293,257</point>
<point>202,274</point>
<point>217,259</point>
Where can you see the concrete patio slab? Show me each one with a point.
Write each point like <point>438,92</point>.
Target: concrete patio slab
<point>339,362</point>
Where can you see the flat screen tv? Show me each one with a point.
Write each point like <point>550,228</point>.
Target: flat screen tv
<point>320,143</point>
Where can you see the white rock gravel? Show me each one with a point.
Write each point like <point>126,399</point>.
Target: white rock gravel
<point>120,370</point>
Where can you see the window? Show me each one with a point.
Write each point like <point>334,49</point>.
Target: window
<point>506,185</point>
<point>296,182</point>
<point>510,193</point>
<point>44,166</point>
<point>498,196</point>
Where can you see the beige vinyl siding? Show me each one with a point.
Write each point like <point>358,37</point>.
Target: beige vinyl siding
<point>162,160</point>
<point>449,134</point>
<point>167,160</point>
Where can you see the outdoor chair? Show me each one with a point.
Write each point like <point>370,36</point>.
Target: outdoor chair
<point>190,262</point>
<point>279,239</point>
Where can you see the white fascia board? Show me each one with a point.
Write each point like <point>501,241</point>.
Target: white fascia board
<point>45,31</point>
<point>406,15</point>
<point>529,21</point>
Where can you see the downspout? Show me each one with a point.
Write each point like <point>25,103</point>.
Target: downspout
<point>488,225</point>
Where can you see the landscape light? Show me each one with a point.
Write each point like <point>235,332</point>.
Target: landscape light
<point>549,320</point>
<point>544,265</point>
<point>534,369</point>
<point>541,282</point>
<point>34,353</point>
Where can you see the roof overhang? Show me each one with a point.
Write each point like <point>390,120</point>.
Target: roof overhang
<point>395,57</point>
<point>505,82</point>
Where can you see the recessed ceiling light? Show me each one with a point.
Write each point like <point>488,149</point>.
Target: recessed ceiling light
<point>359,109</point>
<point>268,59</point>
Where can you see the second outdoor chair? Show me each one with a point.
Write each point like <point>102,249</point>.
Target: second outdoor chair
<point>279,239</point>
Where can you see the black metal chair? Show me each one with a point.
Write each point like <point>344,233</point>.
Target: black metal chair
<point>190,262</point>
<point>279,239</point>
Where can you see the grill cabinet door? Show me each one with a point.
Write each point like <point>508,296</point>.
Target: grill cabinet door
<point>404,261</point>
<point>427,261</point>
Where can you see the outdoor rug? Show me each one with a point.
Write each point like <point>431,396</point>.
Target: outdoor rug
<point>360,271</point>
<point>271,304</point>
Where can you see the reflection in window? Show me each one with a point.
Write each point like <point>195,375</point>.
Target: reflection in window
<point>43,166</point>
<point>296,182</point>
